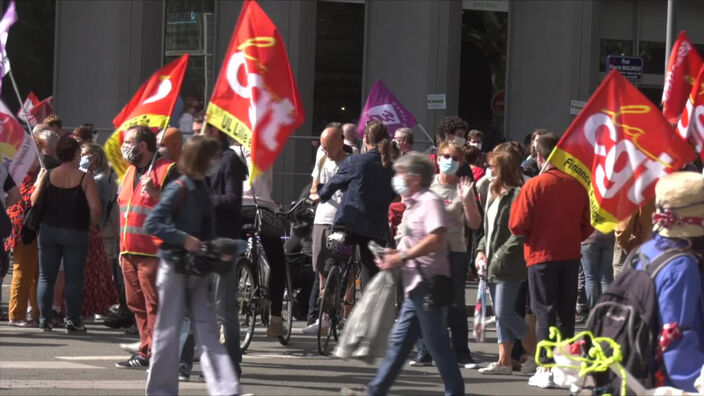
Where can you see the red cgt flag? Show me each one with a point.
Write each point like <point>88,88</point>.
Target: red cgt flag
<point>682,69</point>
<point>255,99</point>
<point>691,125</point>
<point>617,147</point>
<point>151,106</point>
<point>31,101</point>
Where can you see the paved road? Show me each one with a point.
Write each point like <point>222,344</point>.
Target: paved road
<point>55,363</point>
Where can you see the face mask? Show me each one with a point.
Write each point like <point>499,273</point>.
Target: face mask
<point>214,168</point>
<point>398,183</point>
<point>489,174</point>
<point>448,166</point>
<point>129,154</point>
<point>459,140</point>
<point>85,163</point>
<point>476,144</point>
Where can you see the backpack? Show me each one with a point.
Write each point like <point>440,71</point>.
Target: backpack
<point>628,313</point>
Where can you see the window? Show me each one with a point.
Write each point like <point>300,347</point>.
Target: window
<point>189,29</point>
<point>339,51</point>
<point>483,72</point>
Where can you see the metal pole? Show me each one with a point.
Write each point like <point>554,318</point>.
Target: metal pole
<point>671,30</point>
<point>432,142</point>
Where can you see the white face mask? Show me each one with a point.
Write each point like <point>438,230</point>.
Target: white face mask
<point>478,145</point>
<point>398,183</point>
<point>459,140</point>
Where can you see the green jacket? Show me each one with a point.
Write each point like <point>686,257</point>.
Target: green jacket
<point>506,262</point>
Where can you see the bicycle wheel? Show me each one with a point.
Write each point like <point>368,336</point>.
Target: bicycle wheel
<point>246,301</point>
<point>287,307</point>
<point>329,305</point>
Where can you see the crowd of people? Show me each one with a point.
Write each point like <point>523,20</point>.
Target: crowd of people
<point>454,213</point>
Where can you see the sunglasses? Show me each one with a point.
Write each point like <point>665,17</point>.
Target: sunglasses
<point>448,156</point>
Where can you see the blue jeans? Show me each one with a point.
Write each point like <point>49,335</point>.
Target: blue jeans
<point>510,326</point>
<point>412,322</point>
<point>457,312</point>
<point>55,244</point>
<point>597,263</point>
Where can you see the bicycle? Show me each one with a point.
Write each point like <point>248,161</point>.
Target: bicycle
<point>337,285</point>
<point>252,293</point>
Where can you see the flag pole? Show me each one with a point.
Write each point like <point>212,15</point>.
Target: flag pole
<point>161,139</point>
<point>26,116</point>
<point>432,142</point>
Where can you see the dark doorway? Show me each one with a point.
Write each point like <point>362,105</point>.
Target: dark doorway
<point>483,72</point>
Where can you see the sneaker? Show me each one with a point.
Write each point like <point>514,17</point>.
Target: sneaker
<point>57,319</point>
<point>312,328</point>
<point>132,347</point>
<point>276,327</point>
<point>542,378</point>
<point>135,362</point>
<point>358,391</point>
<point>75,327</point>
<point>183,376</point>
<point>116,322</point>
<point>44,327</point>
<point>496,369</point>
<point>529,366</point>
<point>132,330</point>
<point>468,363</point>
<point>421,362</point>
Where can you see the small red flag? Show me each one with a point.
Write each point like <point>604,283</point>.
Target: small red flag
<point>682,69</point>
<point>617,147</point>
<point>691,125</point>
<point>255,99</point>
<point>151,106</point>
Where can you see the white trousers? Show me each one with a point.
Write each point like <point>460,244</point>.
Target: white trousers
<point>175,291</point>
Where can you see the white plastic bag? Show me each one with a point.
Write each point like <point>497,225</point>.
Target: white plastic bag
<point>368,325</point>
<point>480,312</point>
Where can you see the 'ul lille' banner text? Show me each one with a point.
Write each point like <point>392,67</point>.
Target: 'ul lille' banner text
<point>618,147</point>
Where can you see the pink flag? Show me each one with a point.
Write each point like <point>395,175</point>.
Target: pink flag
<point>383,106</point>
<point>29,103</point>
<point>17,150</point>
<point>7,20</point>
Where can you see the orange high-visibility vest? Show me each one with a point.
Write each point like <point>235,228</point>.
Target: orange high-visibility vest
<point>134,209</point>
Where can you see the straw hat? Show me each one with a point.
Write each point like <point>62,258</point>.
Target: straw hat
<point>679,203</point>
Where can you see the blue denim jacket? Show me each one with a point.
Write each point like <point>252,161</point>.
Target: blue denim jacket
<point>364,209</point>
<point>185,208</point>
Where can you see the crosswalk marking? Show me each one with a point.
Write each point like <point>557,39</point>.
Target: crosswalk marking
<point>45,365</point>
<point>10,384</point>
<point>114,357</point>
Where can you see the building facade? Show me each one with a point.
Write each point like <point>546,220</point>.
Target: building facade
<point>507,67</point>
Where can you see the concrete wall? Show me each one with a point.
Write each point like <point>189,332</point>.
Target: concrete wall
<point>414,48</point>
<point>552,49</point>
<point>104,51</point>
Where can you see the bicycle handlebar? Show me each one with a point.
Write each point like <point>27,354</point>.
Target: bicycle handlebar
<point>295,206</point>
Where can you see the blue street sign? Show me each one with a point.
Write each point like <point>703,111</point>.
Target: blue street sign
<point>630,66</point>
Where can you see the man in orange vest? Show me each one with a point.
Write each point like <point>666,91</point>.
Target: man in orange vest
<point>139,193</point>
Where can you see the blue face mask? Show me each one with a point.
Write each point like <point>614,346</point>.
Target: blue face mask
<point>448,166</point>
<point>398,183</point>
<point>85,163</point>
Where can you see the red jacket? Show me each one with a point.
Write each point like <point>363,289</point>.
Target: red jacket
<point>552,212</point>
